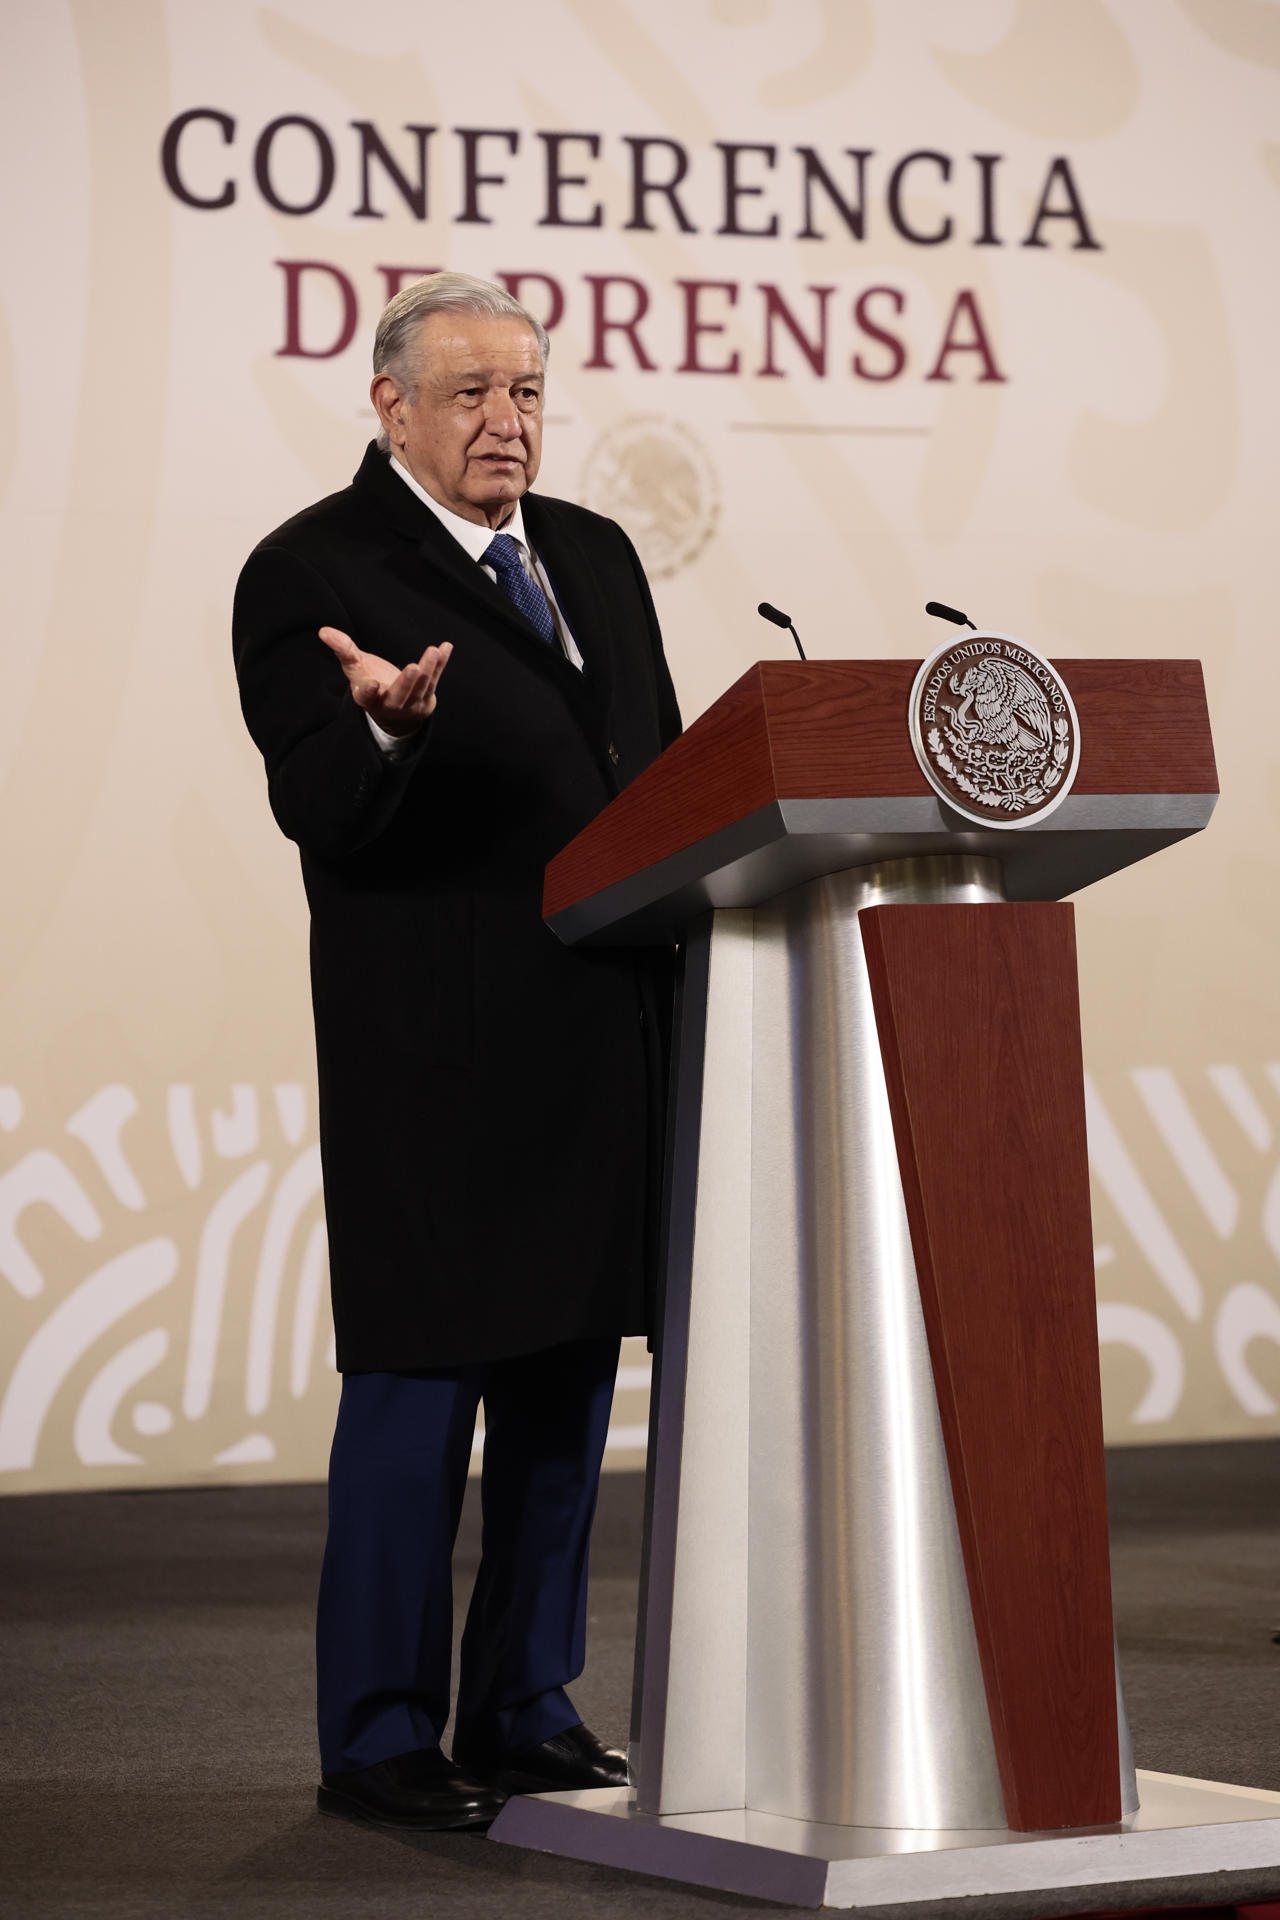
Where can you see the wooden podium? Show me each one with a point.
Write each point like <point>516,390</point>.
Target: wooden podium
<point>876,1607</point>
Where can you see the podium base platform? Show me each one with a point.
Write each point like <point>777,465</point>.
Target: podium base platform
<point>1191,1841</point>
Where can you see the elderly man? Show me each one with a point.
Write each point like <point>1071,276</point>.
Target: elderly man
<point>447,677</point>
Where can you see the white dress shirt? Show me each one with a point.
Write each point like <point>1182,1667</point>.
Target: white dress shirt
<point>474,539</point>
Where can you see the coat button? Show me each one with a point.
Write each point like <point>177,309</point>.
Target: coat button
<point>613,753</point>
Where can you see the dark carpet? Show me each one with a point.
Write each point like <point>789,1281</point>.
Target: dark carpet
<point>156,1745</point>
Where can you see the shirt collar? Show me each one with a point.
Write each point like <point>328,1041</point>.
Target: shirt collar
<point>468,533</point>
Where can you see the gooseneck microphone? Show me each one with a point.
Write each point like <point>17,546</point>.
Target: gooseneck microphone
<point>767,612</point>
<point>940,612</point>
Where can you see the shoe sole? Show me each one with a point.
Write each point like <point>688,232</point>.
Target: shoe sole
<point>341,1807</point>
<point>507,1782</point>
<point>511,1780</point>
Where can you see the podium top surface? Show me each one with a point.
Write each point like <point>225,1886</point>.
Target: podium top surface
<point>806,767</point>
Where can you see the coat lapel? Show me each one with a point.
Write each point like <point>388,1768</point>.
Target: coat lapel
<point>578,590</point>
<point>581,600</point>
<point>430,544</point>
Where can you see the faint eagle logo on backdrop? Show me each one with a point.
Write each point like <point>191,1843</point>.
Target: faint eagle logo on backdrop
<point>656,477</point>
<point>1004,748</point>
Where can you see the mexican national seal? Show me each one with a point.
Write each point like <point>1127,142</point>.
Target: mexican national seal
<point>994,729</point>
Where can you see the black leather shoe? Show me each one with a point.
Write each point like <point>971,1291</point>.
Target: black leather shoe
<point>423,1791</point>
<point>573,1759</point>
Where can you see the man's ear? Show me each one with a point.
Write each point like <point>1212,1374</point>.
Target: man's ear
<point>388,402</point>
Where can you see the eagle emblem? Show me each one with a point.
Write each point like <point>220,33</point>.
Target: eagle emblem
<point>994,729</point>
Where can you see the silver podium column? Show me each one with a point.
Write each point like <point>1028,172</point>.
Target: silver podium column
<point>807,1644</point>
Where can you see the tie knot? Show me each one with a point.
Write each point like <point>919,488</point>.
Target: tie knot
<point>503,554</point>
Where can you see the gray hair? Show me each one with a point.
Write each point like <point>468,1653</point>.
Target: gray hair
<point>398,327</point>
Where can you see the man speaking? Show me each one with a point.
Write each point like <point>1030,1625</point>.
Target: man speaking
<point>447,677</point>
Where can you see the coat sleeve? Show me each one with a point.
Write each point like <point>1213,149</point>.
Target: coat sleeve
<point>331,788</point>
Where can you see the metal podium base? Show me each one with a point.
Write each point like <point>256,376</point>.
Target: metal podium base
<point>1191,1840</point>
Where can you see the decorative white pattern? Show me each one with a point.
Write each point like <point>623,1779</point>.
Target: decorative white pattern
<point>70,1330</point>
<point>257,1252</point>
<point>110,1375</point>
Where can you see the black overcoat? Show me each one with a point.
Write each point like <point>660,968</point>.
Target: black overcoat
<point>490,1100</point>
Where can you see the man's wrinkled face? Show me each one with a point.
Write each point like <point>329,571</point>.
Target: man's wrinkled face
<point>470,430</point>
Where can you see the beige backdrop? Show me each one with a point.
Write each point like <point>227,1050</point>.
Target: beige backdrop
<point>1092,467</point>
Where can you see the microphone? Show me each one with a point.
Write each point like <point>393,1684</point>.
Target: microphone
<point>957,619</point>
<point>767,612</point>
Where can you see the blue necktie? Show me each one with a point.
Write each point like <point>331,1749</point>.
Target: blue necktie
<point>503,555</point>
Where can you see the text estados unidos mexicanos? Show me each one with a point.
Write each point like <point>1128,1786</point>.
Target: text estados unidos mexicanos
<point>983,650</point>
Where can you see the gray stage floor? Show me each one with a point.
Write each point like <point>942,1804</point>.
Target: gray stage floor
<point>157,1754</point>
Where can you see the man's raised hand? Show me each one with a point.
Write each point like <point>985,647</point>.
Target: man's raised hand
<point>398,698</point>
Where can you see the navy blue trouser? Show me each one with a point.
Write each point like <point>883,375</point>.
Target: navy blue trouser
<point>397,1474</point>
